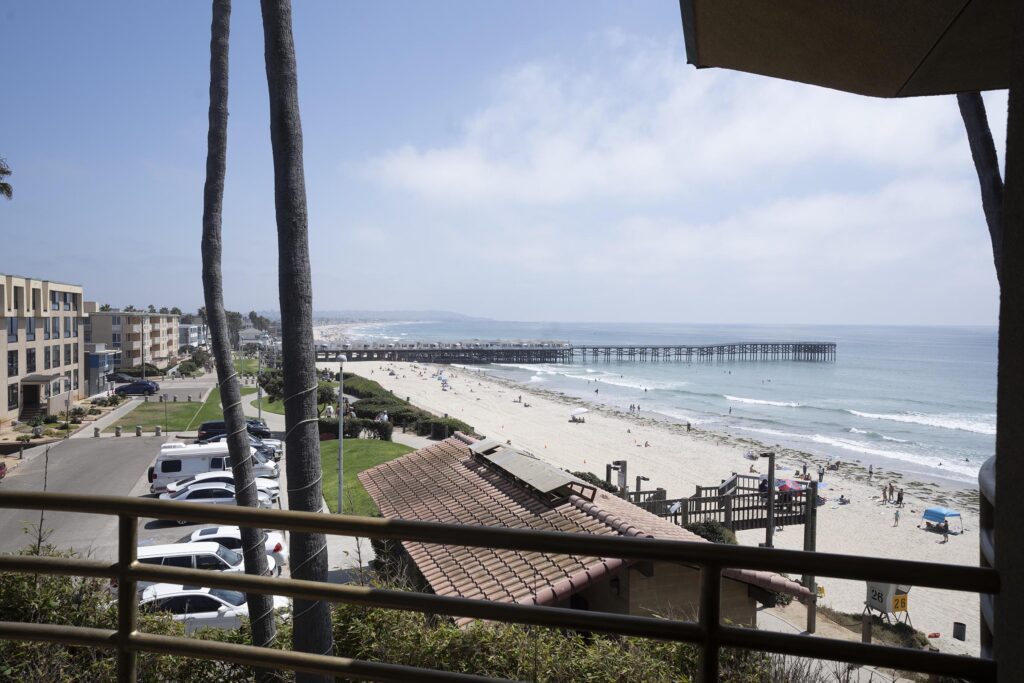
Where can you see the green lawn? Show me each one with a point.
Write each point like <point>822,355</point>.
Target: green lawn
<point>246,366</point>
<point>360,454</point>
<point>272,406</point>
<point>180,416</point>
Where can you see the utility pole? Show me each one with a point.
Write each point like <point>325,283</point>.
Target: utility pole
<point>770,530</point>
<point>341,430</point>
<point>811,545</point>
<point>259,387</point>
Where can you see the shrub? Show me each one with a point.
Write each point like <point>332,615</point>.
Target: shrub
<point>441,427</point>
<point>35,422</point>
<point>95,411</point>
<point>712,531</point>
<point>151,371</point>
<point>102,402</point>
<point>76,420</point>
<point>597,481</point>
<point>24,438</point>
<point>77,411</point>
<point>355,428</point>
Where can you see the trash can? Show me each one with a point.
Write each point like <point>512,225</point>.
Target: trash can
<point>959,630</point>
<point>138,430</point>
<point>117,430</point>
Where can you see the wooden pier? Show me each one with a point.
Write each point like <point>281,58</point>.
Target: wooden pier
<point>474,353</point>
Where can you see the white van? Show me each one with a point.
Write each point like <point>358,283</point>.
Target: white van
<point>182,461</point>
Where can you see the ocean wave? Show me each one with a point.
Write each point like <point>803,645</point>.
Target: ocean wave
<point>876,435</point>
<point>763,402</point>
<point>979,424</point>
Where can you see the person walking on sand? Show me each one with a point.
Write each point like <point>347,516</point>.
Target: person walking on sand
<point>945,531</point>
<point>871,471</point>
<point>896,518</point>
<point>821,473</point>
<point>883,495</point>
<point>899,498</point>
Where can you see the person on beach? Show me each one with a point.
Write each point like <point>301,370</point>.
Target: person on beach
<point>871,471</point>
<point>945,531</point>
<point>883,495</point>
<point>821,473</point>
<point>899,498</point>
<point>329,411</point>
<point>687,426</point>
<point>896,518</point>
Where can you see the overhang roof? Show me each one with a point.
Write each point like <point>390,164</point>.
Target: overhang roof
<point>882,48</point>
<point>39,378</point>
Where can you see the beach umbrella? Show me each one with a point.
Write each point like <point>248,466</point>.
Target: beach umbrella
<point>578,411</point>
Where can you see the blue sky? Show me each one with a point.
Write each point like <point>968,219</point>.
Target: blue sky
<point>516,160</point>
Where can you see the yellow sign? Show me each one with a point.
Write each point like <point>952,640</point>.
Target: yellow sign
<point>821,591</point>
<point>899,602</point>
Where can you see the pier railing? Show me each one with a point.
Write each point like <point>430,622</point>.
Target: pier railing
<point>563,352</point>
<point>707,632</point>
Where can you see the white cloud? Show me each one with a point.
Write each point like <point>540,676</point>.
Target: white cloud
<point>637,188</point>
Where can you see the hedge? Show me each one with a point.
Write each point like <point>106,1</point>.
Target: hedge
<point>354,428</point>
<point>151,371</point>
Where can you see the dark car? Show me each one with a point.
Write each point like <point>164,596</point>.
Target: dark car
<point>119,378</point>
<point>214,428</point>
<point>138,388</point>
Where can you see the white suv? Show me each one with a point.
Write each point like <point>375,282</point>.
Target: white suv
<point>231,538</point>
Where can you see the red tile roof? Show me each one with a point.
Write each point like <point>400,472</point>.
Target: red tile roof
<point>445,483</point>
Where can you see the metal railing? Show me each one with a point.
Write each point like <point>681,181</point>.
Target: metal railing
<point>708,632</point>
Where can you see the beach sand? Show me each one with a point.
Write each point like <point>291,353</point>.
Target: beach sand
<point>678,461</point>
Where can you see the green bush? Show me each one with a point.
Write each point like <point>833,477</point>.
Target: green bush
<point>713,531</point>
<point>102,402</point>
<point>597,481</point>
<point>440,427</point>
<point>526,653</point>
<point>360,387</point>
<point>35,422</point>
<point>95,411</point>
<point>354,427</point>
<point>151,371</point>
<point>77,411</point>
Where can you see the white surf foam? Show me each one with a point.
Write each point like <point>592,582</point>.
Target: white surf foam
<point>979,424</point>
<point>763,402</point>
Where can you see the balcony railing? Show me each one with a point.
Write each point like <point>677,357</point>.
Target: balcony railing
<point>708,631</point>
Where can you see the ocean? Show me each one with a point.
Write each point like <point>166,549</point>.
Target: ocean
<point>919,400</point>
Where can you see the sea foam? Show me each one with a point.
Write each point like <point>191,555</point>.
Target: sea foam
<point>979,424</point>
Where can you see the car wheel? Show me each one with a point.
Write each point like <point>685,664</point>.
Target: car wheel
<point>181,522</point>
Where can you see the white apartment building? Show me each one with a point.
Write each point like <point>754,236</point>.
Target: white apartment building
<point>138,335</point>
<point>43,347</point>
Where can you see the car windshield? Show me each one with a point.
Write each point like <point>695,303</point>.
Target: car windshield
<point>230,597</point>
<point>183,483</point>
<point>229,556</point>
<point>259,456</point>
<point>183,493</point>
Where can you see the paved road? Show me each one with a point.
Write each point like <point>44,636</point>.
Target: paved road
<point>91,466</point>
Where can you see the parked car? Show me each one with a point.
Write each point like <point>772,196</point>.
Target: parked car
<point>138,388</point>
<point>264,485</point>
<point>180,461</point>
<point>119,378</point>
<point>213,493</point>
<point>231,537</point>
<point>213,428</point>
<point>270,447</point>
<point>201,607</point>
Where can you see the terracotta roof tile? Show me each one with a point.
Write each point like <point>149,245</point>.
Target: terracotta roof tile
<point>444,483</point>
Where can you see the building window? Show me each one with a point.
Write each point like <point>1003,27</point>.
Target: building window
<point>67,301</point>
<point>12,364</point>
<point>74,380</point>
<point>30,329</point>
<point>74,358</point>
<point>12,396</point>
<point>46,328</point>
<point>12,330</point>
<point>30,360</point>
<point>115,338</point>
<point>54,301</point>
<point>56,355</point>
<point>68,359</point>
<point>67,327</point>
<point>55,324</point>
<point>46,358</point>
<point>115,320</point>
<point>75,327</point>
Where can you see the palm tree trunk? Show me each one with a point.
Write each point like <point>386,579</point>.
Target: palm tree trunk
<point>312,619</point>
<point>986,163</point>
<point>253,549</point>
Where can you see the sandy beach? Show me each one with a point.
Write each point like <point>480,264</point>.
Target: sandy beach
<point>678,461</point>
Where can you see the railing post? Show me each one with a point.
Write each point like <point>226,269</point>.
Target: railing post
<point>710,621</point>
<point>127,600</point>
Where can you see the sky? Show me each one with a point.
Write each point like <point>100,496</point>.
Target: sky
<point>513,160</point>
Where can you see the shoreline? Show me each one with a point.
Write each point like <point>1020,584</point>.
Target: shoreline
<point>678,461</point>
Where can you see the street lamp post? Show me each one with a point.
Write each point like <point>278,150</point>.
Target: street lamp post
<point>770,531</point>
<point>259,387</point>
<point>341,429</point>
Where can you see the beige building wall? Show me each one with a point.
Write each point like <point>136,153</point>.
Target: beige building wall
<point>42,347</point>
<point>137,334</point>
<point>667,590</point>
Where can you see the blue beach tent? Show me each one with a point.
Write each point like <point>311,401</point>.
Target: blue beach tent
<point>937,515</point>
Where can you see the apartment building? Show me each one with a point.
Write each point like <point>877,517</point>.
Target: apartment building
<point>138,335</point>
<point>43,347</point>
<point>194,335</point>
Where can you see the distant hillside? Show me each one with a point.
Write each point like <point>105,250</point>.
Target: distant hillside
<point>357,315</point>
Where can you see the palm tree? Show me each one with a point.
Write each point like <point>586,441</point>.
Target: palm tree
<point>261,606</point>
<point>986,163</point>
<point>312,620</point>
<point>5,188</point>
